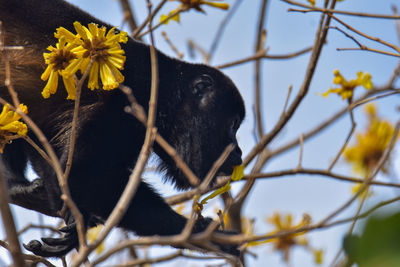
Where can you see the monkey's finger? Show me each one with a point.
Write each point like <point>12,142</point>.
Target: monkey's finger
<point>63,241</point>
<point>69,228</point>
<point>44,250</point>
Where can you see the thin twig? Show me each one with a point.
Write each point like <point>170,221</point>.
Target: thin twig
<point>147,261</point>
<point>372,38</point>
<point>350,134</point>
<point>301,141</point>
<point>72,139</point>
<point>163,21</point>
<point>38,149</point>
<point>364,101</point>
<point>35,226</point>
<point>361,46</point>
<point>194,46</point>
<point>9,225</point>
<point>128,14</point>
<point>396,22</point>
<point>312,172</point>
<point>259,45</point>
<point>333,11</point>
<point>347,35</point>
<point>173,47</point>
<point>262,54</point>
<point>221,29</point>
<point>365,48</point>
<point>289,93</point>
<point>143,25</point>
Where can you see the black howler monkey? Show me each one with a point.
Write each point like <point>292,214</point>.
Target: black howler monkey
<point>199,111</point>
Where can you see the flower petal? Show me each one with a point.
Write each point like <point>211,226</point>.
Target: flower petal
<point>51,86</point>
<point>94,76</point>
<point>69,83</point>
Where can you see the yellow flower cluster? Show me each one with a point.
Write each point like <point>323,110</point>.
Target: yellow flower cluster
<point>186,5</point>
<point>347,87</point>
<point>370,145</point>
<point>286,242</point>
<point>10,125</point>
<point>74,52</point>
<point>285,223</point>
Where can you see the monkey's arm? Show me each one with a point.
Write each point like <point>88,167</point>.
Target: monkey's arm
<point>22,192</point>
<point>147,215</point>
<point>32,196</point>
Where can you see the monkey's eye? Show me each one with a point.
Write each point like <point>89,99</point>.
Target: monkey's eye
<point>202,84</point>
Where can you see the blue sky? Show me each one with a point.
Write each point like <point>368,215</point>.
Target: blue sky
<point>286,32</point>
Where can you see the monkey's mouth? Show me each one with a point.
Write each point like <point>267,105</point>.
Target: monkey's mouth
<point>228,166</point>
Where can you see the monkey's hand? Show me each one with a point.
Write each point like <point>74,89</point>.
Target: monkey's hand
<point>55,247</point>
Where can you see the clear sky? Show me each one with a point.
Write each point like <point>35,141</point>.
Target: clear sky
<point>286,32</point>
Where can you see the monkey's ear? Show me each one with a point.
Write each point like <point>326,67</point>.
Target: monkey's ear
<point>202,85</point>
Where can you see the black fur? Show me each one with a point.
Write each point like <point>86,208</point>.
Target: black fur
<point>199,110</point>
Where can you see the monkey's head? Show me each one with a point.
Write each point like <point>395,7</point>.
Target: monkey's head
<point>200,120</point>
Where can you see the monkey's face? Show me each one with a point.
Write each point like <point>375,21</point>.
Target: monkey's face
<point>205,123</point>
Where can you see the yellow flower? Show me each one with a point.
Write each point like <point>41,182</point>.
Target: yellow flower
<point>196,4</point>
<point>312,2</point>
<point>10,125</point>
<point>238,172</point>
<point>186,5</point>
<point>9,120</point>
<point>69,36</point>
<point>370,145</point>
<point>284,243</point>
<point>57,60</point>
<point>104,49</point>
<point>365,194</point>
<point>347,87</point>
<point>180,208</point>
<point>165,19</point>
<point>318,256</point>
<point>92,234</point>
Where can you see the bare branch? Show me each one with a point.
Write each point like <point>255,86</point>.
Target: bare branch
<point>350,134</point>
<point>332,11</point>
<point>128,14</point>
<point>263,54</point>
<point>9,225</point>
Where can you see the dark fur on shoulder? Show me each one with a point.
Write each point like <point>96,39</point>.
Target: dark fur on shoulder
<point>199,111</point>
